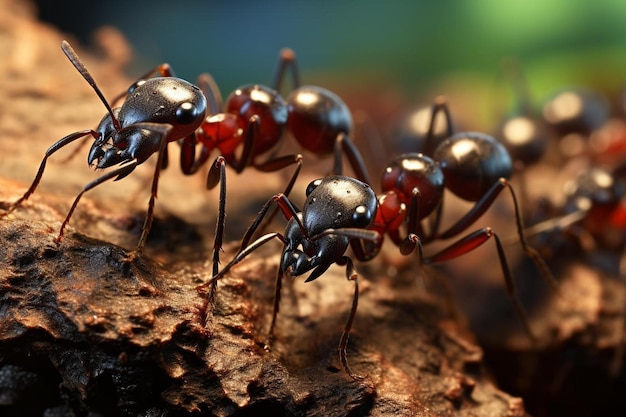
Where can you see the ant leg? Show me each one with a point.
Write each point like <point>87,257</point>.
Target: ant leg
<point>278,285</point>
<point>472,241</point>
<point>252,132</point>
<point>52,149</point>
<point>285,206</point>
<point>440,105</point>
<point>189,165</point>
<point>343,144</point>
<point>287,61</point>
<point>162,130</point>
<point>118,174</point>
<point>277,164</point>
<point>240,257</point>
<point>219,165</point>
<point>373,140</point>
<point>414,227</point>
<point>479,209</point>
<point>434,222</point>
<point>218,169</point>
<point>351,275</point>
<point>211,91</point>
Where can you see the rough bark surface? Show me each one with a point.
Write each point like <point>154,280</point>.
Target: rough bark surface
<point>84,332</point>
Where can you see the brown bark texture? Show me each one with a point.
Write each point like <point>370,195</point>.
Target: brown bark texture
<point>84,332</point>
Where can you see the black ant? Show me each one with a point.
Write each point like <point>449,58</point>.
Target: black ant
<point>155,111</point>
<point>341,212</point>
<point>337,212</point>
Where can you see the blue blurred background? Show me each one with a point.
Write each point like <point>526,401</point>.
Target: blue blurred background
<point>410,41</point>
<point>409,44</point>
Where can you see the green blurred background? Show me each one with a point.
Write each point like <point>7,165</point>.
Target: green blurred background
<point>411,45</point>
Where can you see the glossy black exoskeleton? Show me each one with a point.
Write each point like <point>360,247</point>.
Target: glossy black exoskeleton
<point>155,111</point>
<point>341,212</point>
<point>336,215</point>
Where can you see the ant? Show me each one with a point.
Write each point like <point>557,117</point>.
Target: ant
<point>156,111</point>
<point>337,212</point>
<point>341,212</point>
<point>593,213</point>
<point>159,110</point>
<point>587,227</point>
<point>472,165</point>
<point>256,117</point>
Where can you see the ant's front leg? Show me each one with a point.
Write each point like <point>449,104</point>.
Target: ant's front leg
<point>351,275</point>
<point>144,150</point>
<point>117,174</point>
<point>189,165</point>
<point>51,150</point>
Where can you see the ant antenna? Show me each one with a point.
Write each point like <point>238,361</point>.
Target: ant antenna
<point>78,64</point>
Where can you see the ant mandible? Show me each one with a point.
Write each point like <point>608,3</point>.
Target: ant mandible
<point>155,111</point>
<point>341,212</point>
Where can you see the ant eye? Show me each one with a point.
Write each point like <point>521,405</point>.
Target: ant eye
<point>312,186</point>
<point>361,217</point>
<point>186,113</point>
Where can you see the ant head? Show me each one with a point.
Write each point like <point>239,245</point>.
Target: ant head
<point>165,100</point>
<point>338,202</point>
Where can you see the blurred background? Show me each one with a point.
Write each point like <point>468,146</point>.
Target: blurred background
<point>414,46</point>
